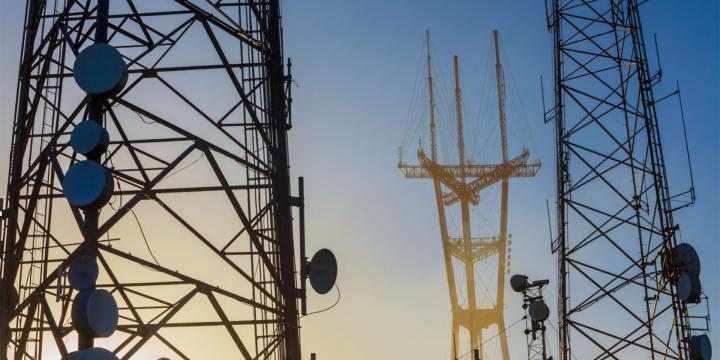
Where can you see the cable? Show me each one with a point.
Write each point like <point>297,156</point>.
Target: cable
<point>142,232</point>
<point>328,308</point>
<point>202,155</point>
<point>493,337</point>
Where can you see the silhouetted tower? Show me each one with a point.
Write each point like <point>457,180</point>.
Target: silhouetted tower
<point>633,285</point>
<point>536,313</point>
<point>461,184</point>
<point>149,163</point>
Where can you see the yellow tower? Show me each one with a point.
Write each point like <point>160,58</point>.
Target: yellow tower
<point>461,184</point>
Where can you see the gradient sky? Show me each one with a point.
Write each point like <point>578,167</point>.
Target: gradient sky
<point>356,65</point>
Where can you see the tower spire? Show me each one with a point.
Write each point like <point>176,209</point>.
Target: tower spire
<point>431,101</point>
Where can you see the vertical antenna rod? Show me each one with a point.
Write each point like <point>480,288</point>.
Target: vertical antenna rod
<point>502,246</point>
<point>475,341</point>
<point>458,111</point>
<point>431,101</point>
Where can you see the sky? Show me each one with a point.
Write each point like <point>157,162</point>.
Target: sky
<point>357,66</point>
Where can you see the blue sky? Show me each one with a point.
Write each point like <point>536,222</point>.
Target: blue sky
<point>356,67</point>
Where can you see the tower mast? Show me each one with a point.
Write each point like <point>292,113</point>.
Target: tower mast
<point>431,101</point>
<point>461,184</point>
<point>618,246</point>
<point>502,250</point>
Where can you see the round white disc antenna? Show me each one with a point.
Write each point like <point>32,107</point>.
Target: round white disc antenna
<point>323,271</point>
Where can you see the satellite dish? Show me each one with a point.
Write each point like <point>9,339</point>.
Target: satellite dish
<point>83,273</point>
<point>89,138</point>
<point>94,354</point>
<point>323,271</point>
<point>700,347</point>
<point>688,288</point>
<point>519,283</point>
<point>100,70</point>
<point>95,312</point>
<point>88,185</point>
<point>538,311</point>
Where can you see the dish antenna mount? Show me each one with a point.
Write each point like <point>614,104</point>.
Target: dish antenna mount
<point>322,269</point>
<point>536,312</point>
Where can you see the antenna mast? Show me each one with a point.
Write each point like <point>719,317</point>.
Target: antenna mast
<point>618,246</point>
<point>84,223</point>
<point>460,184</point>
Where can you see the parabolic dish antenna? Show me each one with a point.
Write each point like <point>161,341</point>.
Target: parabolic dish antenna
<point>102,313</point>
<point>87,185</point>
<point>94,354</point>
<point>686,259</point>
<point>538,311</point>
<point>83,273</point>
<point>700,347</point>
<point>519,283</point>
<point>100,70</point>
<point>96,312</point>
<point>688,288</point>
<point>89,138</point>
<point>323,271</point>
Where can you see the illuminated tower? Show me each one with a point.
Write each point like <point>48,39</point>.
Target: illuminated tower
<point>149,161</point>
<point>461,184</point>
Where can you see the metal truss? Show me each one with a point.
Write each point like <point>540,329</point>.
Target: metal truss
<point>196,245</point>
<point>615,211</point>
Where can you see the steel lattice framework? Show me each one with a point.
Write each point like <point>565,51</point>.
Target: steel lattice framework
<point>199,157</point>
<point>615,211</point>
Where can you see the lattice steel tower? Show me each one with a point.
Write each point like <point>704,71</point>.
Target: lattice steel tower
<point>633,286</point>
<point>196,242</point>
<point>461,184</point>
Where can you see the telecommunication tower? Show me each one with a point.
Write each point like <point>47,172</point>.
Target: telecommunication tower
<point>149,205</point>
<point>536,313</point>
<point>635,288</point>
<point>461,184</point>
